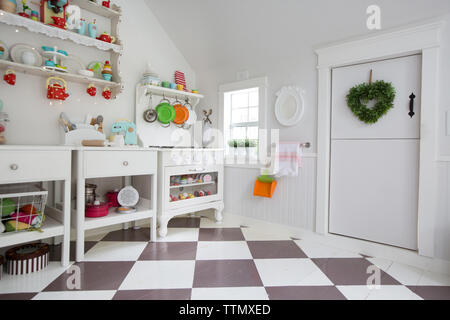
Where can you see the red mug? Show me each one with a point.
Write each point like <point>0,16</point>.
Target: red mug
<point>10,77</point>
<point>107,93</point>
<point>92,90</point>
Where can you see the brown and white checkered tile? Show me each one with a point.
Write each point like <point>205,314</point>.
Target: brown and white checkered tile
<point>202,260</point>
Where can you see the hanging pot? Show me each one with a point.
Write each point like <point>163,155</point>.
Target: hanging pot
<point>182,114</point>
<point>150,115</point>
<point>192,116</point>
<point>166,112</point>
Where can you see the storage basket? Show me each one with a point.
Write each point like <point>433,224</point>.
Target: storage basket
<point>27,259</point>
<point>21,208</point>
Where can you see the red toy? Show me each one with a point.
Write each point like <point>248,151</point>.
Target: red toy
<point>51,9</point>
<point>107,93</point>
<point>10,77</point>
<point>57,89</point>
<point>92,90</point>
<point>106,3</point>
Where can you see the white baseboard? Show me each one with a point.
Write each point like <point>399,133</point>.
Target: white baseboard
<point>358,246</point>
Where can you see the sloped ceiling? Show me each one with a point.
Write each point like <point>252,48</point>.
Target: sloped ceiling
<point>218,33</point>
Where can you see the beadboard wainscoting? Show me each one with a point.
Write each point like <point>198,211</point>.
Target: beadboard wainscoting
<point>442,224</point>
<point>293,203</point>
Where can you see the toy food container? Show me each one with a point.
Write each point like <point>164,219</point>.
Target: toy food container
<point>97,210</point>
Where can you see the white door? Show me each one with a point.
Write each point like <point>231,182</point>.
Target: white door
<point>375,168</point>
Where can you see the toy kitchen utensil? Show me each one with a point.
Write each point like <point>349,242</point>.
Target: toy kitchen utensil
<point>89,193</point>
<point>10,77</point>
<point>166,112</point>
<point>57,89</point>
<point>182,114</point>
<point>128,198</point>
<point>4,52</point>
<point>192,115</point>
<point>126,128</point>
<point>150,115</point>
<point>113,200</point>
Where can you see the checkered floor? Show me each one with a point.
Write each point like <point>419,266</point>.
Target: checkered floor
<point>201,260</point>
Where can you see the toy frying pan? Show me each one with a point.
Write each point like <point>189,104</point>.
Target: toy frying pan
<point>182,113</point>
<point>166,112</point>
<point>150,115</point>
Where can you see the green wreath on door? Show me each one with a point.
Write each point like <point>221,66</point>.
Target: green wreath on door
<point>360,95</point>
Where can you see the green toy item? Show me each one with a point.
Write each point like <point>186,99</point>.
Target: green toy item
<point>13,225</point>
<point>7,207</point>
<point>266,179</point>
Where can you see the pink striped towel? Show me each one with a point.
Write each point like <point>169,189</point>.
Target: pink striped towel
<point>289,159</point>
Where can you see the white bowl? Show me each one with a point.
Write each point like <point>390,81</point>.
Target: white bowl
<point>86,73</point>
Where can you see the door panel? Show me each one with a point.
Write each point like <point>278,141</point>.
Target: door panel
<point>404,74</point>
<point>374,190</point>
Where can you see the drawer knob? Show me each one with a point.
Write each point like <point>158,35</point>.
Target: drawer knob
<point>14,167</point>
<point>125,163</point>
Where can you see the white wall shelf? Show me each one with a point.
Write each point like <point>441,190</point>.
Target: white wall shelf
<point>40,71</point>
<point>54,32</point>
<point>171,93</point>
<point>112,12</point>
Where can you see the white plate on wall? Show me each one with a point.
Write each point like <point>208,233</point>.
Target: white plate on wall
<point>18,50</point>
<point>5,54</point>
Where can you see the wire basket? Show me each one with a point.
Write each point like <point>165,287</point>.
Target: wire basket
<point>22,208</point>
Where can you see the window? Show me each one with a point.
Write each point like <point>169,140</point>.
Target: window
<point>243,113</point>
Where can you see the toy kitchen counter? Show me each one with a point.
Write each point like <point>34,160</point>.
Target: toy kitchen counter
<point>190,180</point>
<point>138,168</point>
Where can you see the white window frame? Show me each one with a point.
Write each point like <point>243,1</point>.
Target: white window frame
<point>260,83</point>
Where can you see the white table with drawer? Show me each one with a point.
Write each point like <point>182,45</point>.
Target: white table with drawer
<point>40,164</point>
<point>180,163</point>
<point>137,166</point>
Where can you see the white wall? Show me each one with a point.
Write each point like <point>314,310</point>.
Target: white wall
<point>33,121</point>
<point>297,65</point>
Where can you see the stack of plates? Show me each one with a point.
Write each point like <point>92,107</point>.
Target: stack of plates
<point>25,54</point>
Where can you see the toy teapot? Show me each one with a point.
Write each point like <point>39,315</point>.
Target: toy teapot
<point>107,38</point>
<point>57,89</point>
<point>10,77</point>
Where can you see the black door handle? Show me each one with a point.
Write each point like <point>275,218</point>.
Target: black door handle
<point>411,105</point>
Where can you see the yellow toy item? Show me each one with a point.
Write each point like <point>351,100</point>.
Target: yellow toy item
<point>13,225</point>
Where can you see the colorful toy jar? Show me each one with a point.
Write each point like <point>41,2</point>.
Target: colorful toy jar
<point>107,71</point>
<point>92,29</point>
<point>127,128</point>
<point>8,5</point>
<point>82,27</point>
<point>57,89</point>
<point>10,77</point>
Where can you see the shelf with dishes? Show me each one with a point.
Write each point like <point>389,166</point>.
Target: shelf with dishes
<point>143,211</point>
<point>54,62</point>
<point>112,12</point>
<point>55,32</point>
<point>169,93</point>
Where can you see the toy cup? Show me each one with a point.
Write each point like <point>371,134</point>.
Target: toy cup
<point>92,29</point>
<point>10,77</point>
<point>82,29</point>
<point>92,90</point>
<point>107,93</point>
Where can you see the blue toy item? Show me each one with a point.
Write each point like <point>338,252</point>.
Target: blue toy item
<point>128,128</point>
